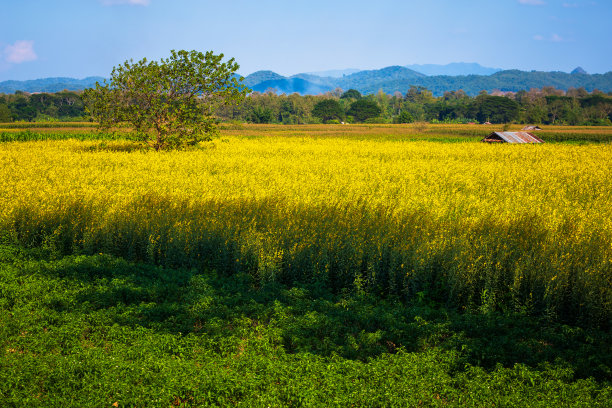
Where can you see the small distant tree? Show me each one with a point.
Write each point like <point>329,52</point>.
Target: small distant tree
<point>364,109</point>
<point>419,94</point>
<point>5,113</point>
<point>170,103</point>
<point>405,117</point>
<point>351,94</point>
<point>261,114</point>
<point>328,109</point>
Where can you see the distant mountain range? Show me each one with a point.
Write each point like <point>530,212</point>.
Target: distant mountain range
<point>400,79</point>
<point>453,69</point>
<point>335,73</point>
<point>470,77</point>
<point>49,84</point>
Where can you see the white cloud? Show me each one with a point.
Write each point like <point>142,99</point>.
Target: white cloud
<point>130,2</point>
<point>538,37</point>
<point>21,51</point>
<point>533,2</point>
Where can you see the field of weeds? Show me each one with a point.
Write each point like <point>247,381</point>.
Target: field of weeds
<point>338,256</point>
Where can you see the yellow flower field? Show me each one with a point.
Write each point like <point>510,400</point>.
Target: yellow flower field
<point>524,227</point>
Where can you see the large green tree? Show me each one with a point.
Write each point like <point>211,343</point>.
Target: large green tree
<point>363,109</point>
<point>328,109</point>
<point>170,103</point>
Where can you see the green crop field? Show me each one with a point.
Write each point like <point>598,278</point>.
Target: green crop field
<point>306,265</point>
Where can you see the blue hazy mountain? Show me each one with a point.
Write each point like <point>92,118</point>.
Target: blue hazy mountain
<point>453,69</point>
<point>261,76</point>
<point>334,73</point>
<point>49,84</point>
<point>291,85</point>
<point>579,70</point>
<point>313,84</point>
<point>400,79</point>
<point>390,79</point>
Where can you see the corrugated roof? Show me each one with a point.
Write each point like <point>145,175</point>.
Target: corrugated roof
<point>516,137</point>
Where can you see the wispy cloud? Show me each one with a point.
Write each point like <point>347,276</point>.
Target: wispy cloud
<point>532,2</point>
<point>556,38</point>
<point>21,51</point>
<point>552,38</point>
<point>130,2</point>
<point>575,5</point>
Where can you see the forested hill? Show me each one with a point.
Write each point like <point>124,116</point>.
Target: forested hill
<point>49,84</point>
<point>400,79</point>
<point>390,79</point>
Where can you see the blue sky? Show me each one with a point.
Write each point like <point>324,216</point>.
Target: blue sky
<point>79,38</point>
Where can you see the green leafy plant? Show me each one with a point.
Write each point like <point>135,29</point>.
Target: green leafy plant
<point>170,103</point>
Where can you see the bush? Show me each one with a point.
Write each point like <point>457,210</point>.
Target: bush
<point>404,117</point>
<point>376,120</point>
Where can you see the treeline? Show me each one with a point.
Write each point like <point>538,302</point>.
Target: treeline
<point>537,106</point>
<point>540,106</point>
<point>20,106</point>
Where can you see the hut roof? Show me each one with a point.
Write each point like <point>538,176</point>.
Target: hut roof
<point>532,128</point>
<point>513,137</point>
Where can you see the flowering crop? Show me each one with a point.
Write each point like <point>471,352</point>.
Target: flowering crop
<point>527,228</point>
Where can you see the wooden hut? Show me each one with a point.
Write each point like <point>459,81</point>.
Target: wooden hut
<point>512,137</point>
<point>531,127</point>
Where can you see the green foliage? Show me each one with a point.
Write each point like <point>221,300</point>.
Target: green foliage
<point>63,105</point>
<point>419,94</point>
<point>495,109</point>
<point>261,115</point>
<point>405,117</point>
<point>5,113</point>
<point>328,109</point>
<point>170,103</point>
<point>351,94</point>
<point>91,331</point>
<point>376,120</point>
<point>363,109</point>
<point>21,109</point>
<point>28,136</point>
<point>545,106</point>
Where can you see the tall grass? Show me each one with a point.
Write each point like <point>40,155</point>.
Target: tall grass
<point>519,228</point>
<point>46,125</point>
<point>24,131</point>
<point>28,135</point>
